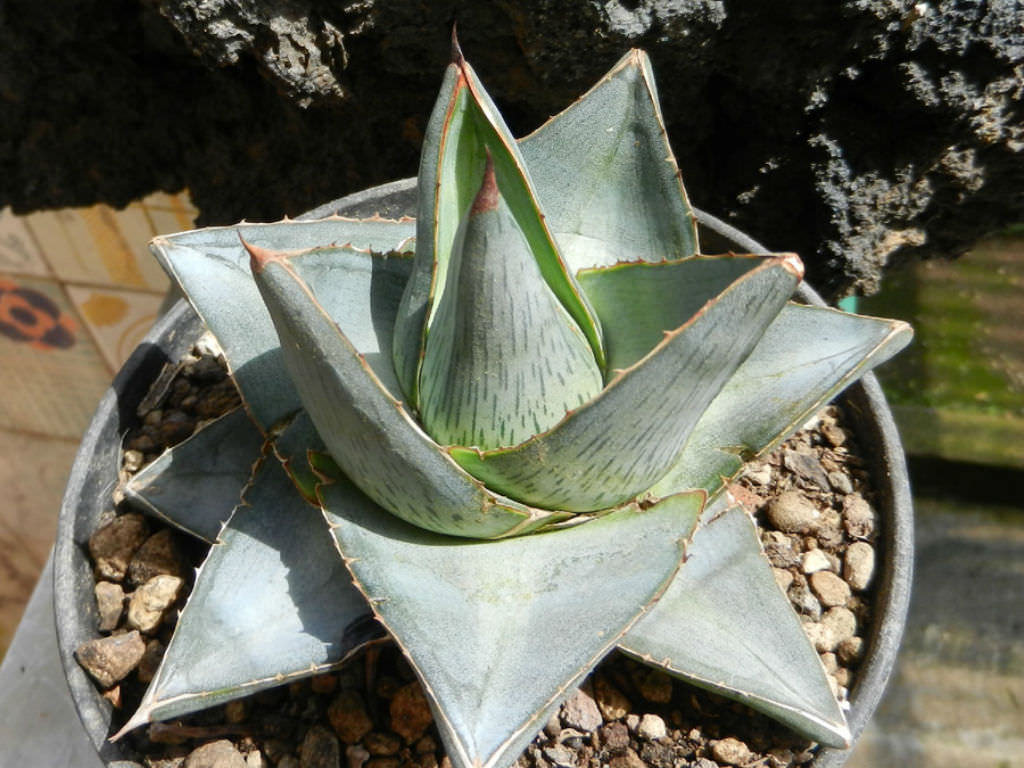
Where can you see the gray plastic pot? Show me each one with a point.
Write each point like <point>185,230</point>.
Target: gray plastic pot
<point>94,476</point>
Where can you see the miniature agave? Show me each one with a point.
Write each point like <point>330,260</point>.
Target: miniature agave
<point>541,351</point>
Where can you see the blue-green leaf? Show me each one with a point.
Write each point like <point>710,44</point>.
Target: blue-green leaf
<point>212,268</point>
<point>462,129</point>
<point>606,177</point>
<point>367,429</point>
<point>806,356</point>
<point>198,483</point>
<point>500,632</point>
<point>725,625</point>
<point>272,603</point>
<point>504,360</point>
<point>624,440</point>
<point>638,302</point>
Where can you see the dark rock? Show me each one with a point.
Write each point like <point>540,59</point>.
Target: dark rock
<point>887,130</point>
<point>320,749</point>
<point>113,546</point>
<point>158,556</point>
<point>410,712</point>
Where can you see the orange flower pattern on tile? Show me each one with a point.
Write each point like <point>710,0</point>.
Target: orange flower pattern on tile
<point>30,316</point>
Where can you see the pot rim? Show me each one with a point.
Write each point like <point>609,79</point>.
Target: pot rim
<point>171,336</point>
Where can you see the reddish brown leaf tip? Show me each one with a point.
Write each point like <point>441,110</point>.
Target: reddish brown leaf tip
<point>794,264</point>
<point>487,197</point>
<point>259,257</point>
<point>457,57</point>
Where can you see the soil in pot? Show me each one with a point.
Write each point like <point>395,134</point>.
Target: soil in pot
<point>811,497</point>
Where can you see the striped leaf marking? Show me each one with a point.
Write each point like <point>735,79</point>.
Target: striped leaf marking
<point>368,431</point>
<point>504,360</point>
<point>624,440</point>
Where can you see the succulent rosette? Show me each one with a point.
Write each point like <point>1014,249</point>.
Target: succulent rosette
<point>541,351</point>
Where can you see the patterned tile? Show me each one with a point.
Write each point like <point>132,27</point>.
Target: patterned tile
<point>33,471</point>
<point>18,251</point>
<point>117,319</point>
<point>99,246</point>
<point>51,373</point>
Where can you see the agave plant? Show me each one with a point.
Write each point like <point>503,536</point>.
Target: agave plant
<point>498,430</point>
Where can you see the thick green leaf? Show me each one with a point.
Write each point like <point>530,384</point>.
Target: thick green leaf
<point>212,268</point>
<point>272,603</point>
<point>462,129</point>
<point>367,430</point>
<point>638,302</point>
<point>504,360</point>
<point>198,483</point>
<point>624,440</point>
<point>806,357</point>
<point>500,632</point>
<point>606,177</point>
<point>725,625</point>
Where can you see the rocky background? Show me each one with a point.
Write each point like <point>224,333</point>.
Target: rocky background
<point>859,133</point>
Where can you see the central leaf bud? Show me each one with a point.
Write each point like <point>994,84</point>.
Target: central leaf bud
<point>504,360</point>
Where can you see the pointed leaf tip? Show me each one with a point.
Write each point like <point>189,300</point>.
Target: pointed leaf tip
<point>258,257</point>
<point>457,57</point>
<point>793,264</point>
<point>487,197</point>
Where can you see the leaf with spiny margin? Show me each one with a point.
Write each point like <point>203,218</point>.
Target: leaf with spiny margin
<point>724,624</point>
<point>504,360</point>
<point>805,358</point>
<point>367,429</point>
<point>625,439</point>
<point>212,268</point>
<point>196,484</point>
<point>462,129</point>
<point>606,177</point>
<point>500,633</point>
<point>638,302</point>
<point>293,448</point>
<point>273,602</point>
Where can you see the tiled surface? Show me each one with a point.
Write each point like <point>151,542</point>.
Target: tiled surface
<point>78,289</point>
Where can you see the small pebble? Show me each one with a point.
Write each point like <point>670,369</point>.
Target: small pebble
<point>110,604</point>
<point>761,474</point>
<point>320,749</point>
<point>792,513</point>
<point>255,759</point>
<point>858,517</point>
<point>815,560</point>
<point>859,564</point>
<point>656,686</point>
<point>347,716</point>
<point>841,623</point>
<point>113,546</point>
<point>628,759</point>
<point>147,604</point>
<point>615,736</point>
<point>150,661</point>
<point>850,650</point>
<point>560,756</point>
<point>410,712</point>
<point>651,727</point>
<point>612,703</point>
<point>730,751</point>
<point>830,588</point>
<point>382,743</point>
<point>216,754</point>
<point>157,556</point>
<point>580,712</point>
<point>110,659</point>
<point>840,482</point>
<point>355,756</point>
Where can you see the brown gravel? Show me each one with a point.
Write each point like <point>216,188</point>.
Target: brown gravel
<point>811,498</point>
